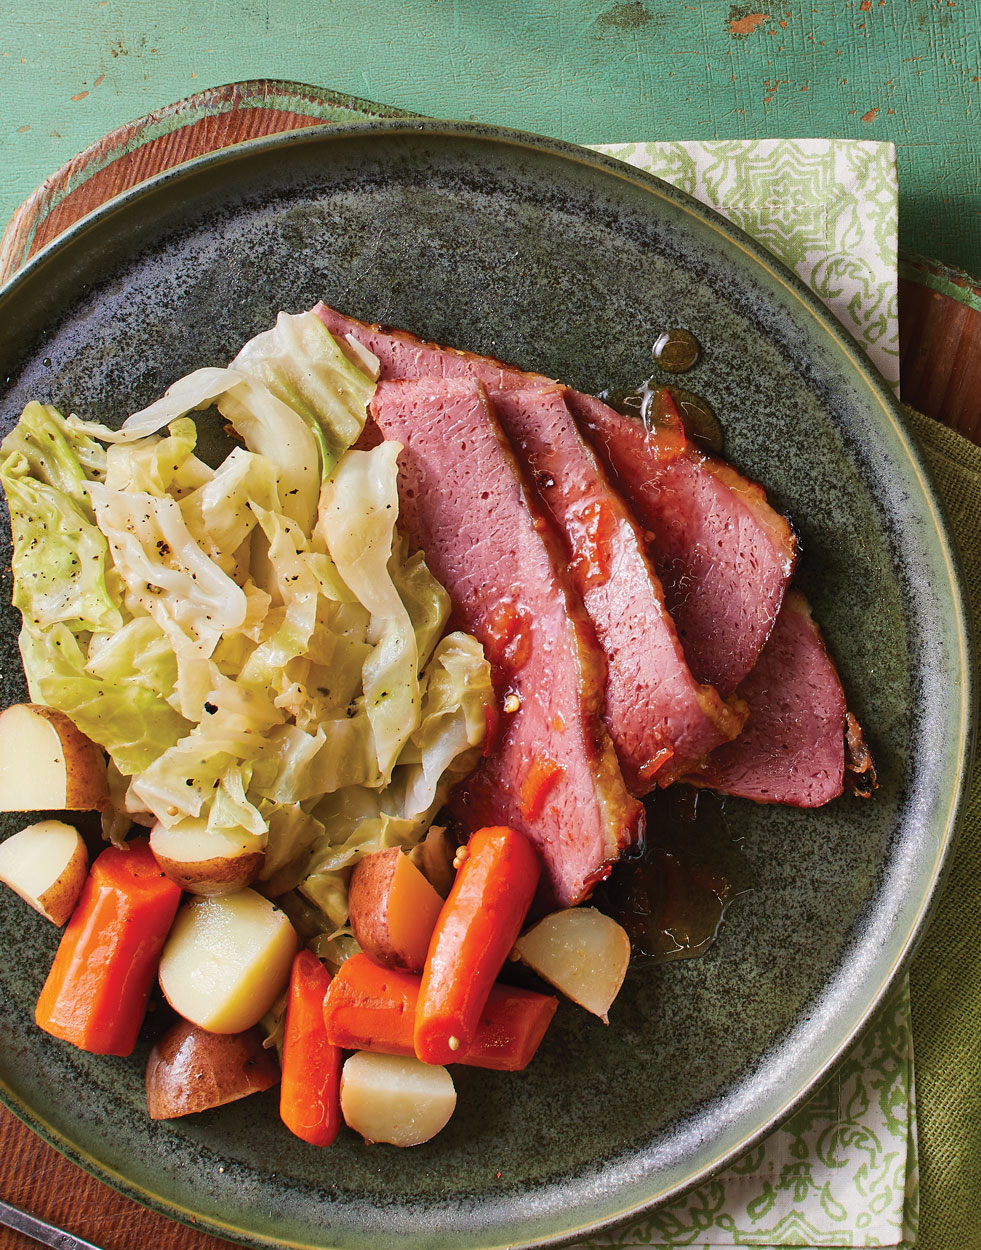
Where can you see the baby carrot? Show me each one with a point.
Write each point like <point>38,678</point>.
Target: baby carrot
<point>373,1008</point>
<point>309,1099</point>
<point>474,934</point>
<point>96,993</point>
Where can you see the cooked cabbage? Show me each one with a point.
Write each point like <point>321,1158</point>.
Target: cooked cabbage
<point>252,644</point>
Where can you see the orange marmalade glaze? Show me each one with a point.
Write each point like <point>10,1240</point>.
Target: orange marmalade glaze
<point>593,529</point>
<point>538,781</point>
<point>505,631</point>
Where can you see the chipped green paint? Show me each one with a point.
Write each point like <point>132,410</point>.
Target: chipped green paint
<point>592,71</point>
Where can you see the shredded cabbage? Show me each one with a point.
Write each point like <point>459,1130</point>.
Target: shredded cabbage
<point>253,645</point>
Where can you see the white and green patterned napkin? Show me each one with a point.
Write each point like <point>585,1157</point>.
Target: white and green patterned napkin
<point>828,208</point>
<point>842,1171</point>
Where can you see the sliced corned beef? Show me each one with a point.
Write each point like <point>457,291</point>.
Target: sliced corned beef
<point>655,709</point>
<point>661,720</point>
<point>724,556</point>
<point>403,355</point>
<point>465,501</point>
<point>792,749</point>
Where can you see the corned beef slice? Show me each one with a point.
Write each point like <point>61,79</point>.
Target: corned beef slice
<point>724,556</point>
<point>661,720</point>
<point>464,501</point>
<point>653,704</point>
<point>792,749</point>
<point>402,355</point>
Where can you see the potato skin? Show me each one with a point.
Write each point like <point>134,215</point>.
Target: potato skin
<point>86,784</point>
<point>56,901</point>
<point>190,1070</point>
<point>221,872</point>
<point>370,893</point>
<point>221,875</point>
<point>367,896</point>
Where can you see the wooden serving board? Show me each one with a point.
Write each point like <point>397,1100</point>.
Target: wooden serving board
<point>940,338</point>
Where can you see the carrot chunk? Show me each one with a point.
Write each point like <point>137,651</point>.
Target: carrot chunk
<point>368,1007</point>
<point>309,1100</point>
<point>476,929</point>
<point>96,993</point>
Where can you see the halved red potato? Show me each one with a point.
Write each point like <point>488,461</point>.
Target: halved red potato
<point>46,864</point>
<point>393,909</point>
<point>192,1070</point>
<point>206,861</point>
<point>46,763</point>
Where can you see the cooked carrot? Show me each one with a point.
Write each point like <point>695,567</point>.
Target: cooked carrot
<point>474,934</point>
<point>96,993</point>
<point>373,1008</point>
<point>309,1099</point>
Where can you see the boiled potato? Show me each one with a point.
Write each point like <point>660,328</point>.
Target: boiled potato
<point>227,960</point>
<point>582,952</point>
<point>46,864</point>
<point>393,909</point>
<point>203,861</point>
<point>401,1101</point>
<point>45,762</point>
<point>190,1070</point>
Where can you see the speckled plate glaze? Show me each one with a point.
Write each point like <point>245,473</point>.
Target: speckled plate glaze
<point>567,263</point>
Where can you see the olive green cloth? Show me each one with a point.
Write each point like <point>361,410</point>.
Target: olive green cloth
<point>946,973</point>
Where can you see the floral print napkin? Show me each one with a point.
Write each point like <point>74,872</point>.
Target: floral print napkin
<point>842,1171</point>
<point>828,208</point>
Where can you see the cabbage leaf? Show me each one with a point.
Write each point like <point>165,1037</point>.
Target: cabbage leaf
<point>253,644</point>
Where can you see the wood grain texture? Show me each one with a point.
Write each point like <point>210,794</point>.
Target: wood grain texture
<point>36,1178</point>
<point>941,360</point>
<point>940,344</point>
<point>205,122</point>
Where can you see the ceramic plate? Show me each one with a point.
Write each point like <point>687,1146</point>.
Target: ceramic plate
<point>566,263</point>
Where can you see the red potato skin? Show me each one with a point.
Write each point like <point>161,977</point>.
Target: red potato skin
<point>310,1101</point>
<point>477,928</point>
<point>190,1070</point>
<point>370,895</point>
<point>368,1007</point>
<point>96,993</point>
<point>86,784</point>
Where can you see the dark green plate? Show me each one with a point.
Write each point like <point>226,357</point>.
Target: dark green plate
<point>567,263</point>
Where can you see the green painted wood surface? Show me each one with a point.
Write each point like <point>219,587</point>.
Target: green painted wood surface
<point>589,71</point>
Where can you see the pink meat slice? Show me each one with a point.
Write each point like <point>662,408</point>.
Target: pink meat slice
<point>792,749</point>
<point>685,716</point>
<point>661,720</point>
<point>724,556</point>
<point>402,355</point>
<point>465,501</point>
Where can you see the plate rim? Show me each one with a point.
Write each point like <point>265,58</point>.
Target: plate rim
<point>891,410</point>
